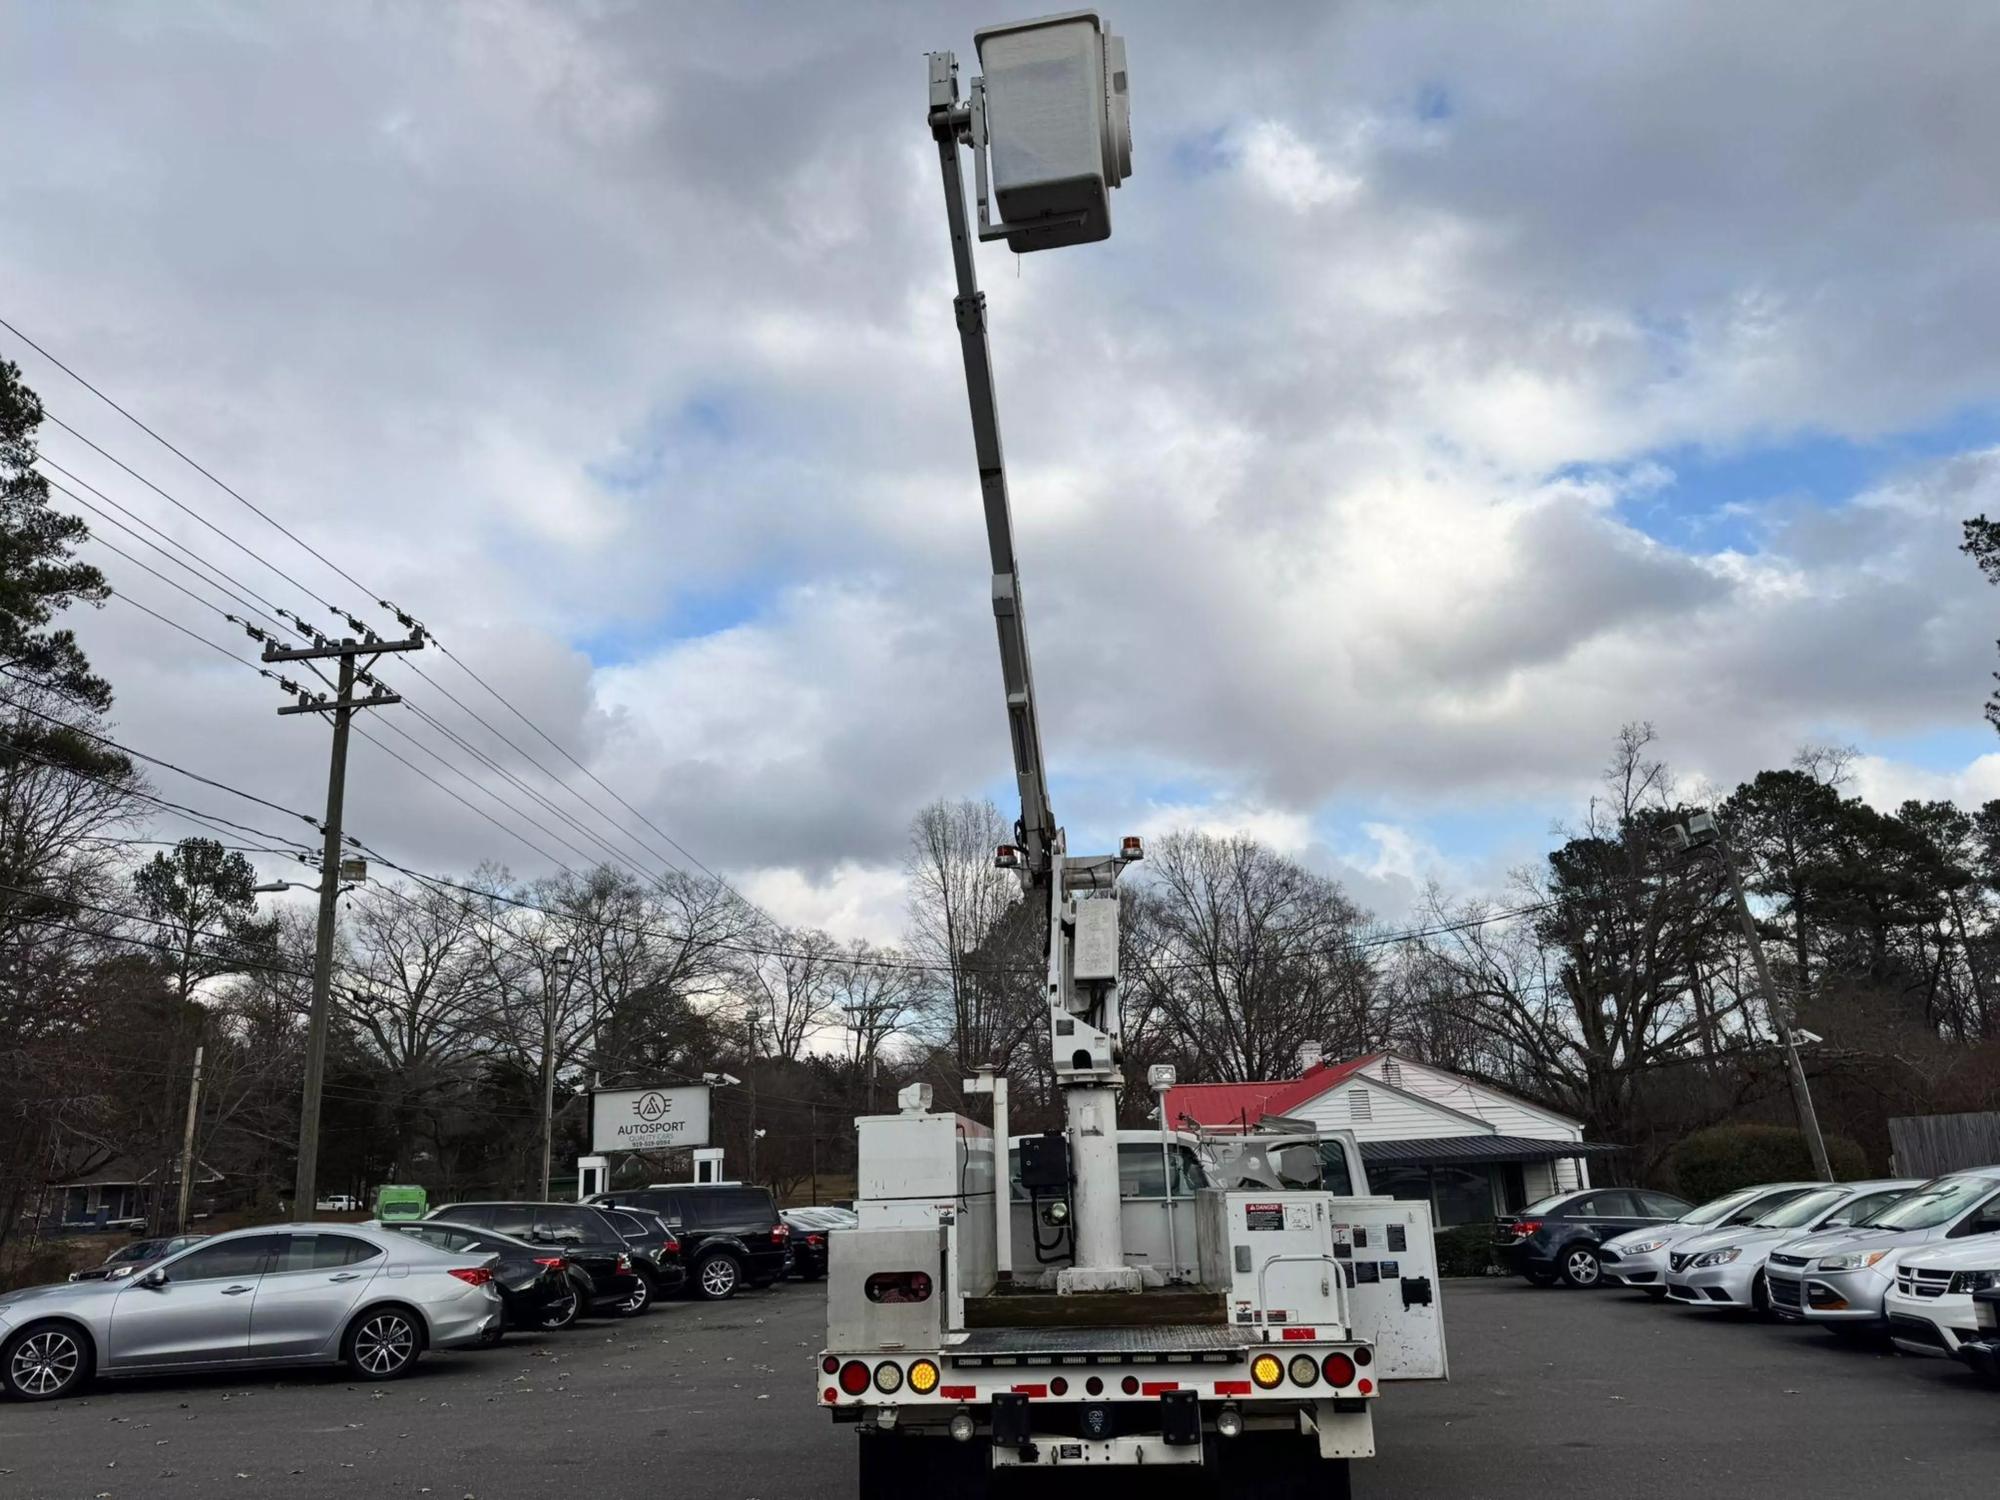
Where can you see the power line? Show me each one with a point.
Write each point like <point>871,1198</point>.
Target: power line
<point>1373,941</point>
<point>164,443</point>
<point>688,938</point>
<point>154,760</point>
<point>201,572</point>
<point>297,626</point>
<point>279,526</point>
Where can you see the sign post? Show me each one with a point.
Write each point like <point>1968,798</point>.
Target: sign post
<point>660,1119</point>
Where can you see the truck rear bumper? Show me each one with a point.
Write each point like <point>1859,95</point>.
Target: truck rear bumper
<point>1054,1439</point>
<point>1071,1453</point>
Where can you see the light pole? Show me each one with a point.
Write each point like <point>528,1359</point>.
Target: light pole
<point>558,964</point>
<point>1701,832</point>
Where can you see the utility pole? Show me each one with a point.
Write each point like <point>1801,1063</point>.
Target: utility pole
<point>342,706</point>
<point>1801,1093</point>
<point>187,1147</point>
<point>815,1155</point>
<point>558,964</point>
<point>1699,830</point>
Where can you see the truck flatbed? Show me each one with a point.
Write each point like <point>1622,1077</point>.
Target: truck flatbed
<point>1119,1343</point>
<point>1156,1307</point>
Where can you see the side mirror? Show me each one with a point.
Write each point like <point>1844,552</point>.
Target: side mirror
<point>153,1280</point>
<point>1835,1224</point>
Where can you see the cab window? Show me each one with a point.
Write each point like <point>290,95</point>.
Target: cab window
<point>1142,1171</point>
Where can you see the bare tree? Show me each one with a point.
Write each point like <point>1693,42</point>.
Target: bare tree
<point>792,991</point>
<point>1238,956</point>
<point>877,997</point>
<point>958,904</point>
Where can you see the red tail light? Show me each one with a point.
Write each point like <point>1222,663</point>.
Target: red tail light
<point>1339,1370</point>
<point>1525,1227</point>
<point>854,1377</point>
<point>815,1239</point>
<point>553,1262</point>
<point>897,1286</point>
<point>782,1233</point>
<point>472,1275</point>
<point>671,1245</point>
<point>623,1263</point>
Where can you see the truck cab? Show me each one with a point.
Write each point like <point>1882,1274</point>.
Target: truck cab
<point>1159,1183</point>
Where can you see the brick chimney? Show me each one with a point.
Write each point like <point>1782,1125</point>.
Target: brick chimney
<point>1311,1055</point>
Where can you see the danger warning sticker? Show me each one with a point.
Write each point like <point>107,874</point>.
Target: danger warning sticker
<point>1263,1216</point>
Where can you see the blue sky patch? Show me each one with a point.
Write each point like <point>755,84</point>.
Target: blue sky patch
<point>1711,501</point>
<point>694,614</point>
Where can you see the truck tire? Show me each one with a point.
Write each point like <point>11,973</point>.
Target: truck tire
<point>895,1464</point>
<point>1280,1466</point>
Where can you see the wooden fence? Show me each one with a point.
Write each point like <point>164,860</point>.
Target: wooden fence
<point>1928,1145</point>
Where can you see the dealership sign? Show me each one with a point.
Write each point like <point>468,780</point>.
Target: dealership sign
<point>649,1119</point>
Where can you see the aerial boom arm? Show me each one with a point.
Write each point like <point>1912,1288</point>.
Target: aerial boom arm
<point>1085,1033</point>
<point>951,122</point>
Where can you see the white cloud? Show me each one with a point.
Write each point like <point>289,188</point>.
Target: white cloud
<point>1887,784</point>
<point>619,347</point>
<point>1288,832</point>
<point>864,901</point>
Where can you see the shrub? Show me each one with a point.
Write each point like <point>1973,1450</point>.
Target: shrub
<point>1723,1158</point>
<point>1465,1249</point>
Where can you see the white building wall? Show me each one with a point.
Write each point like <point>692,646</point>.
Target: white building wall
<point>1506,1116</point>
<point>1382,1116</point>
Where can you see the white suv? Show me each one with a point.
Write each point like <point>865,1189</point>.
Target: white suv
<point>1930,1307</point>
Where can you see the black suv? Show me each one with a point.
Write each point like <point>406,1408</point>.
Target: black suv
<point>1559,1236</point>
<point>587,1239</point>
<point>656,1249</point>
<point>729,1233</point>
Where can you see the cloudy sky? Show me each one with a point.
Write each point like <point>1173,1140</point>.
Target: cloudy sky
<point>1460,382</point>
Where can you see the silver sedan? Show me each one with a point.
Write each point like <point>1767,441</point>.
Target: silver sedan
<point>1725,1268</point>
<point>298,1294</point>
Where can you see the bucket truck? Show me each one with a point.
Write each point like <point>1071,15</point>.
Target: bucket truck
<point>1191,1300</point>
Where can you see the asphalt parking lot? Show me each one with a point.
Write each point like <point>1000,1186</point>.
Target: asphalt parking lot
<point>1553,1392</point>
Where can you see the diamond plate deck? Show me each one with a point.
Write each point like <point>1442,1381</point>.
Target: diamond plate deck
<point>1183,1338</point>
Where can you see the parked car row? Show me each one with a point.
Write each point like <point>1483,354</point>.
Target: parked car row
<point>376,1296</point>
<point>730,1234</point>
<point>1916,1261</point>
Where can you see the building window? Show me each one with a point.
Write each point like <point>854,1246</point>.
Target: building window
<point>1409,1183</point>
<point>1457,1195</point>
<point>1360,1106</point>
<point>1461,1195</point>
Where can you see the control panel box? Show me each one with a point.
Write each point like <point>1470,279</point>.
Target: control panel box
<point>1271,1253</point>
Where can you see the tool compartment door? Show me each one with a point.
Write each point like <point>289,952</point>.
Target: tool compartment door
<point>1389,1253</point>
